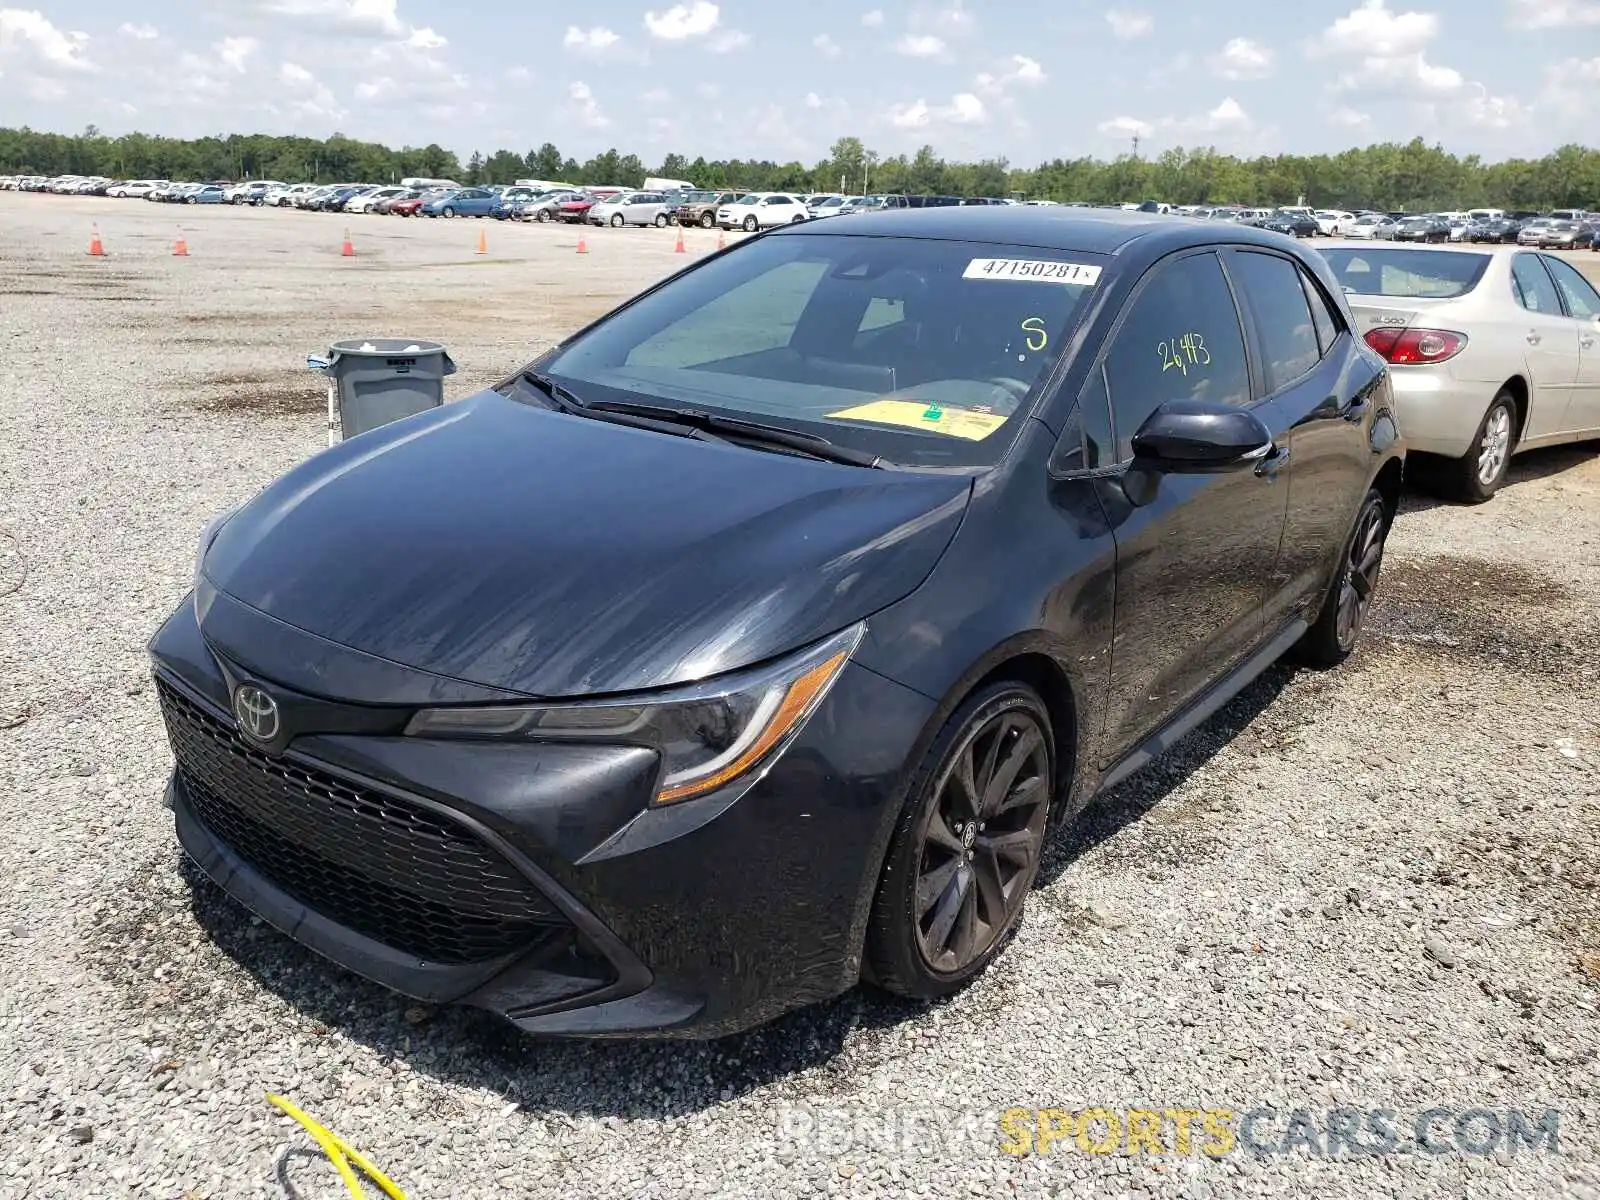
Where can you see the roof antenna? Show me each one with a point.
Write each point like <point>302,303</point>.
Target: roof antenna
<point>1136,145</point>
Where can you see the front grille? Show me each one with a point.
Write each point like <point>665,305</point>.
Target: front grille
<point>388,868</point>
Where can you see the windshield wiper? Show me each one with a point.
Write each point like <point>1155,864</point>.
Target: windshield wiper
<point>564,401</point>
<point>810,444</point>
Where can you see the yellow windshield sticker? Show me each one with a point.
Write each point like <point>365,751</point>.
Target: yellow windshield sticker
<point>917,414</point>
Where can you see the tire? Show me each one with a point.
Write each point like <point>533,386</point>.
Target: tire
<point>1333,636</point>
<point>616,221</point>
<point>796,220</point>
<point>707,220</point>
<point>661,220</point>
<point>751,224</point>
<point>1477,475</point>
<point>977,905</point>
<point>447,212</point>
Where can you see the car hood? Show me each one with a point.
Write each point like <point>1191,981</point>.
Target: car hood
<point>549,555</point>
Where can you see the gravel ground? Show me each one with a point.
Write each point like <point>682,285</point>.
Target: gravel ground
<point>1374,887</point>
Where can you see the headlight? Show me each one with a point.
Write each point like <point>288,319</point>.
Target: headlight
<point>708,735</point>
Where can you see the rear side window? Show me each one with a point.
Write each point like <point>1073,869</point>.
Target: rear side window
<point>1180,340</point>
<point>1321,315</point>
<point>1277,300</point>
<point>1532,285</point>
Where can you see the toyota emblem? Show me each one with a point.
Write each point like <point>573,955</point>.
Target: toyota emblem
<point>256,712</point>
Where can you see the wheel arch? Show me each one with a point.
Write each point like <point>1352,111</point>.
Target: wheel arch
<point>1518,387</point>
<point>1388,481</point>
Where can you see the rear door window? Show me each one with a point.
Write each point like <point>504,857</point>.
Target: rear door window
<point>1533,287</point>
<point>1277,301</point>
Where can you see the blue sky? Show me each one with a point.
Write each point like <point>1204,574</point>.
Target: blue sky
<point>1026,81</point>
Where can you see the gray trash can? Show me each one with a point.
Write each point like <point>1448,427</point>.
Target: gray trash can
<point>374,381</point>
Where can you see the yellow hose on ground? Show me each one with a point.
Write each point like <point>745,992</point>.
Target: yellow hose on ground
<point>341,1153</point>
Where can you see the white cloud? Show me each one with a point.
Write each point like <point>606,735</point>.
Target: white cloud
<point>235,52</point>
<point>826,46</point>
<point>1350,118</point>
<point>1129,25</point>
<point>142,33</point>
<point>1483,111</point>
<point>682,22</point>
<point>656,96</point>
<point>1572,87</point>
<point>1230,114</point>
<point>365,18</point>
<point>813,100</point>
<point>954,19</point>
<point>920,45</point>
<point>1242,58</point>
<point>594,41</point>
<point>1373,31</point>
<point>306,96</point>
<point>28,30</point>
<point>1407,74</point>
<point>1554,14</point>
<point>963,109</point>
<point>1021,71</point>
<point>728,41</point>
<point>873,19</point>
<point>426,39</point>
<point>583,106</point>
<point>1126,127</point>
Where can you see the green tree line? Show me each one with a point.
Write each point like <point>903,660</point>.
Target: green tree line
<point>1413,176</point>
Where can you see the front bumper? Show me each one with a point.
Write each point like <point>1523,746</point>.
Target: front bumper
<point>534,881</point>
<point>1438,413</point>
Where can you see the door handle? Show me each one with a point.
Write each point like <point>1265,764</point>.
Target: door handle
<point>1586,341</point>
<point>1269,466</point>
<point>1534,339</point>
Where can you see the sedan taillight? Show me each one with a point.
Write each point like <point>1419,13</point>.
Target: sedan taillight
<point>1416,346</point>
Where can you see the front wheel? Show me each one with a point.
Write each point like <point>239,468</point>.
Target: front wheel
<point>449,212</point>
<point>1333,636</point>
<point>616,221</point>
<point>750,224</point>
<point>543,216</point>
<point>967,846</point>
<point>1478,474</point>
<point>707,220</point>
<point>661,220</point>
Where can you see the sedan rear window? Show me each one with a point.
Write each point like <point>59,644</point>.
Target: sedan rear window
<point>1407,274</point>
<point>926,352</point>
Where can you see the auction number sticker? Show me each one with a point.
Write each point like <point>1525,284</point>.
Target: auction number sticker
<point>1032,270</point>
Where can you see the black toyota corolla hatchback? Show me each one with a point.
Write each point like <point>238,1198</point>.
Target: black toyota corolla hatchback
<point>747,643</point>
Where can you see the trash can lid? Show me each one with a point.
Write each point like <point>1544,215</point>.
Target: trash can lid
<point>383,347</point>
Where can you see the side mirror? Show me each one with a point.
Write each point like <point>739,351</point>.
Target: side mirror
<point>1197,436</point>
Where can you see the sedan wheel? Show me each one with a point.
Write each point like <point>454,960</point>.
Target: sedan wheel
<point>1484,467</point>
<point>750,224</point>
<point>448,212</point>
<point>661,220</point>
<point>967,847</point>
<point>543,216</point>
<point>616,220</point>
<point>1337,629</point>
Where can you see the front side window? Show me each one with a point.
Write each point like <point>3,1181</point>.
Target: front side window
<point>1582,299</point>
<point>926,352</point>
<point>1180,340</point>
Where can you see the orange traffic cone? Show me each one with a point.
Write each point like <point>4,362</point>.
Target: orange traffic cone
<point>96,247</point>
<point>180,248</point>
<point>680,248</point>
<point>483,242</point>
<point>583,245</point>
<point>348,250</point>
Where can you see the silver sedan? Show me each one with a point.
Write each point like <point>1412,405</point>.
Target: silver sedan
<point>1492,350</point>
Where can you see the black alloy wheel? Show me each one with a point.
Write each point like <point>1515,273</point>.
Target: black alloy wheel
<point>1332,638</point>
<point>968,846</point>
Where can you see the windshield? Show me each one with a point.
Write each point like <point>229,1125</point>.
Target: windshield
<point>1411,274</point>
<point>925,352</point>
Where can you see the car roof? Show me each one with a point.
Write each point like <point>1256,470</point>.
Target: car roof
<point>1093,231</point>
